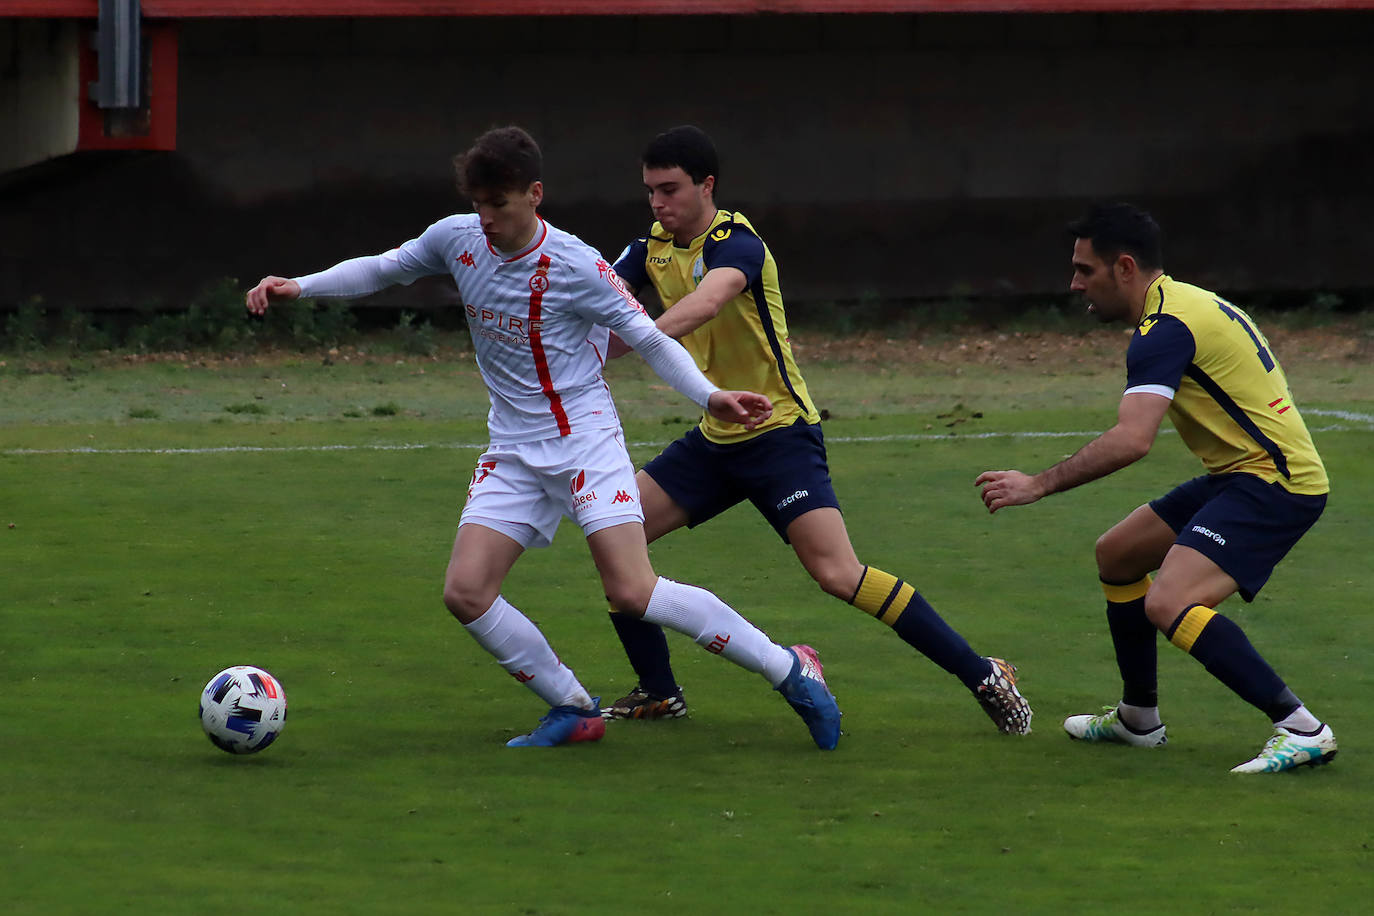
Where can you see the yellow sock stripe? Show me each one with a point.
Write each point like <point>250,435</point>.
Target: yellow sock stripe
<point>1194,621</point>
<point>1120,594</point>
<point>897,604</point>
<point>883,595</point>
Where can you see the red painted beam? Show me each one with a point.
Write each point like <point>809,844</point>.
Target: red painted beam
<point>160,129</point>
<point>192,9</point>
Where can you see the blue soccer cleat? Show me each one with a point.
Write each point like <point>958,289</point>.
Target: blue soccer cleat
<point>565,725</point>
<point>806,692</point>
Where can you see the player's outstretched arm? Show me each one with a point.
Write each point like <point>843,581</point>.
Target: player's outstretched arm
<point>271,289</point>
<point>719,286</point>
<point>747,408</point>
<point>1138,419</point>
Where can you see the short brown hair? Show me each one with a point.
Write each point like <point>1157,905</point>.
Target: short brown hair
<point>503,159</point>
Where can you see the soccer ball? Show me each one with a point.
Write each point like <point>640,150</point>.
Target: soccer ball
<point>243,709</point>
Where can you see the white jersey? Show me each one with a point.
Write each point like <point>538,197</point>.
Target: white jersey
<point>538,319</point>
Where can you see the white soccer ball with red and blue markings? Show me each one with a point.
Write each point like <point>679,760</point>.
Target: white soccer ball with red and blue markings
<point>243,709</point>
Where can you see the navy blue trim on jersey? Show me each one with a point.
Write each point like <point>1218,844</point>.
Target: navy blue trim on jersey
<point>783,472</point>
<point>1160,352</point>
<point>632,265</point>
<point>770,332</point>
<point>740,249</point>
<point>1242,419</point>
<point>1239,522</point>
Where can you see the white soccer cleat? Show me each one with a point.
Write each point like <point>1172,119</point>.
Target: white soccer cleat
<point>1108,727</point>
<point>1287,750</point>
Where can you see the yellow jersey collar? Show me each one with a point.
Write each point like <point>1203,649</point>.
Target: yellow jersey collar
<point>1154,298</point>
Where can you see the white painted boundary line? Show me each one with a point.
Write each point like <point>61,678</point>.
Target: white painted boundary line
<point>1366,419</point>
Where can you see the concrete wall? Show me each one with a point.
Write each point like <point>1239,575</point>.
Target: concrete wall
<point>880,156</point>
<point>38,91</point>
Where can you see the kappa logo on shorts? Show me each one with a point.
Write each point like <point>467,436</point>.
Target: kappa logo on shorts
<point>622,497</point>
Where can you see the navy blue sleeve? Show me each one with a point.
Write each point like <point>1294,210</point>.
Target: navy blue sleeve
<point>1159,353</point>
<point>732,245</point>
<point>630,265</point>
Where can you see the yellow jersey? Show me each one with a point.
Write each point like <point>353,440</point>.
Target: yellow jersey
<point>746,345</point>
<point>1229,396</point>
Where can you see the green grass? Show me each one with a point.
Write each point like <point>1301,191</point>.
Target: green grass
<point>131,577</point>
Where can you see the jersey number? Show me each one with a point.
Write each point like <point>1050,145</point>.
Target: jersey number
<point>1261,350</point>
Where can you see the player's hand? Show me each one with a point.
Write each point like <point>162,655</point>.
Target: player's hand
<point>269,289</point>
<point>747,408</point>
<point>1007,488</point>
<point>617,347</point>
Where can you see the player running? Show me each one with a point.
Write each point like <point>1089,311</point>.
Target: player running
<point>539,304</point>
<point>1203,361</point>
<point>719,287</point>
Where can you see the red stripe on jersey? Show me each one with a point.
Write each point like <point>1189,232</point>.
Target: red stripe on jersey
<point>541,362</point>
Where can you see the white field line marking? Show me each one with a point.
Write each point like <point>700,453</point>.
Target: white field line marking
<point>478,446</point>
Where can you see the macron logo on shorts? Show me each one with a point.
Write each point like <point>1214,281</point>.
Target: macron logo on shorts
<point>800,494</point>
<point>1209,533</point>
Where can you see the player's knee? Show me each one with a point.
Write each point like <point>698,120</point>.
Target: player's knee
<point>838,579</point>
<point>1113,559</point>
<point>628,598</point>
<point>466,601</point>
<point>1163,608</point>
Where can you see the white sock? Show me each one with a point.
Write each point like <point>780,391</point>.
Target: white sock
<point>1140,718</point>
<point>718,628</point>
<point>519,647</point>
<point>1300,719</point>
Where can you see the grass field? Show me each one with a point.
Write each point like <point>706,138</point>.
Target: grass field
<point>162,519</point>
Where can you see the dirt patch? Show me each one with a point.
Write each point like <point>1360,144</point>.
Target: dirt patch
<point>1055,351</point>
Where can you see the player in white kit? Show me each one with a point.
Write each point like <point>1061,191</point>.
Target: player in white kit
<point>541,305</point>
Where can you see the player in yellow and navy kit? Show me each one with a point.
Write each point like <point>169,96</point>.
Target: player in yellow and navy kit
<point>719,287</point>
<point>1200,359</point>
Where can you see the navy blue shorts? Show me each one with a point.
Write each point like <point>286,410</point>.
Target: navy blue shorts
<point>1239,522</point>
<point>783,472</point>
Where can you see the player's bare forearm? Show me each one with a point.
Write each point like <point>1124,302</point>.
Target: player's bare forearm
<point>1137,420</point>
<point>719,286</point>
<point>1109,452</point>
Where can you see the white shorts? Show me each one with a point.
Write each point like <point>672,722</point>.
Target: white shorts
<point>524,490</point>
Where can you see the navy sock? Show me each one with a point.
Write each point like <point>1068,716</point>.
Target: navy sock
<point>1223,649</point>
<point>1135,640</point>
<point>898,604</point>
<point>647,649</point>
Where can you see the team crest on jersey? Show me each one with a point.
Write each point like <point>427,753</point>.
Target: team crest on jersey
<point>539,280</point>
<point>698,270</point>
